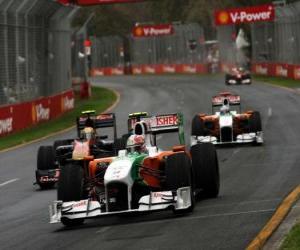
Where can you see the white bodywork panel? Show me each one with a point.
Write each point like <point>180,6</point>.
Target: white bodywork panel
<point>179,200</point>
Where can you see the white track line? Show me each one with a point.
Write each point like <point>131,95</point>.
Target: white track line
<point>270,111</point>
<point>8,182</point>
<point>102,230</point>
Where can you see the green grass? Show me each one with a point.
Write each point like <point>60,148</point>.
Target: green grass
<point>101,99</point>
<point>285,82</point>
<point>292,240</point>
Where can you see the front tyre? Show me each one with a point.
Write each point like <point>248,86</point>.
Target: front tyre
<point>178,172</point>
<point>70,188</point>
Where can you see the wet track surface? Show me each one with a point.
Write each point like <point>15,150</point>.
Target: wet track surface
<point>254,180</point>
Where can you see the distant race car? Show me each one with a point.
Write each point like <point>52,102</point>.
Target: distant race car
<point>141,178</point>
<point>227,126</point>
<point>49,157</point>
<point>238,75</point>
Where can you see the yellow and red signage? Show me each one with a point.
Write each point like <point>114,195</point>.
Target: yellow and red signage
<point>95,2</point>
<point>153,30</point>
<point>261,13</point>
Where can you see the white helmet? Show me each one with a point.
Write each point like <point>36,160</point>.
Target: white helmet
<point>136,143</point>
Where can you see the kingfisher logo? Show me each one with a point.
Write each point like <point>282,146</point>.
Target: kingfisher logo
<point>245,15</point>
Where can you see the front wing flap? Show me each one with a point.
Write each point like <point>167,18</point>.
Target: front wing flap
<point>240,139</point>
<point>178,200</point>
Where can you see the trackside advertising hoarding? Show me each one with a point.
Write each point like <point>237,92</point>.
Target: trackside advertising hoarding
<point>261,13</point>
<point>152,30</point>
<point>16,117</point>
<point>96,2</point>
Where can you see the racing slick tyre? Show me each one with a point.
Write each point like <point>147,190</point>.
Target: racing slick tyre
<point>45,158</point>
<point>45,161</point>
<point>70,188</point>
<point>255,122</point>
<point>198,126</point>
<point>178,170</point>
<point>206,169</point>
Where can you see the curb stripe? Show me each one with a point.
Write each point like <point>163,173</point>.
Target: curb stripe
<point>64,130</point>
<point>282,211</point>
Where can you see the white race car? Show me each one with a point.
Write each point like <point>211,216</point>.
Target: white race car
<point>141,178</point>
<point>227,126</point>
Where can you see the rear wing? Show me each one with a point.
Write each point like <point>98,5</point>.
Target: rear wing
<point>96,121</point>
<point>232,99</point>
<point>133,118</point>
<point>167,123</point>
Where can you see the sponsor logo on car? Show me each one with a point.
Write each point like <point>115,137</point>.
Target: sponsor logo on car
<point>169,120</point>
<point>80,204</point>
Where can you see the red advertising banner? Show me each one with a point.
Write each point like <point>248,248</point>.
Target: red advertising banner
<point>252,14</point>
<point>153,30</point>
<point>19,116</point>
<point>95,2</point>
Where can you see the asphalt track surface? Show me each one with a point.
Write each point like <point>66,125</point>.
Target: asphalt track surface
<point>254,180</point>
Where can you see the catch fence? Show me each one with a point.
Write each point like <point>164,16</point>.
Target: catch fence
<point>34,49</point>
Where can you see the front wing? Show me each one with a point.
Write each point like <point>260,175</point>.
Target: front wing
<point>83,209</point>
<point>240,139</point>
<point>235,80</point>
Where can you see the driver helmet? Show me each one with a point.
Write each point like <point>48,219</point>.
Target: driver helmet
<point>136,143</point>
<point>225,107</point>
<point>88,133</point>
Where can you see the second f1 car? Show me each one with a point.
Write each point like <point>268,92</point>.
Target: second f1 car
<point>227,126</point>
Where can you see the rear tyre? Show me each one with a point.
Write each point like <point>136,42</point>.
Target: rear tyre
<point>45,158</point>
<point>255,122</point>
<point>45,161</point>
<point>206,169</point>
<point>178,170</point>
<point>198,126</point>
<point>70,188</point>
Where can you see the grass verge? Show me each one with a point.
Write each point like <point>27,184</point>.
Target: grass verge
<point>101,99</point>
<point>292,240</point>
<point>280,81</point>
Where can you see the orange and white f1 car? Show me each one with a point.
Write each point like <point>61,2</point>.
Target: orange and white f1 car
<point>227,125</point>
<point>141,178</point>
